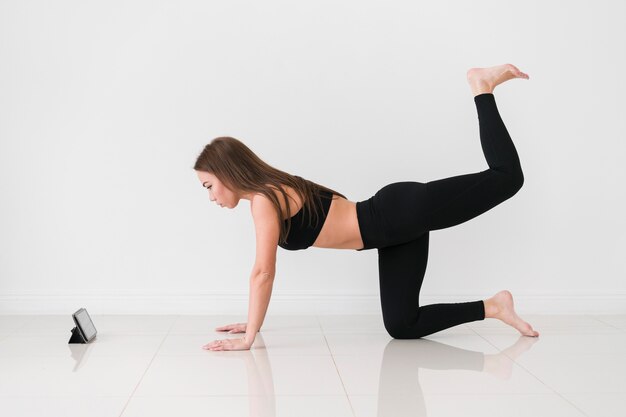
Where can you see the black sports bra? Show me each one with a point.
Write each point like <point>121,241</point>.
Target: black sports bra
<point>301,235</point>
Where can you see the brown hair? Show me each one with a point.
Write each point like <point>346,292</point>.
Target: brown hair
<point>242,170</point>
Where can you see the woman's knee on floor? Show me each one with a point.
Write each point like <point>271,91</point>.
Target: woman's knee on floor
<point>400,330</point>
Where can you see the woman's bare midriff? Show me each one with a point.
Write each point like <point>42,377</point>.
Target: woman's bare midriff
<point>341,228</point>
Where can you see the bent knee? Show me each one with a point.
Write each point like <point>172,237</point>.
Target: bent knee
<point>401,332</point>
<point>515,182</point>
<point>518,180</point>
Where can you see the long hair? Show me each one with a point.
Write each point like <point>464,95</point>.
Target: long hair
<point>241,170</point>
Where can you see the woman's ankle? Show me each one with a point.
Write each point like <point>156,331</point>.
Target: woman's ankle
<point>490,309</point>
<point>481,89</point>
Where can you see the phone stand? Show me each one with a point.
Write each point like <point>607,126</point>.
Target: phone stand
<point>76,336</point>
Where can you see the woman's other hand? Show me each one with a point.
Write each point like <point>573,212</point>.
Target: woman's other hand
<point>233,328</point>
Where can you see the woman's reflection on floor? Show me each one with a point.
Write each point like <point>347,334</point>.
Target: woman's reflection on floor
<point>399,390</point>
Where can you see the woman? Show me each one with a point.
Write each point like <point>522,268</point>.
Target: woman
<point>295,213</point>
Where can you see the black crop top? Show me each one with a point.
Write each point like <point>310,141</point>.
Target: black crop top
<point>301,235</point>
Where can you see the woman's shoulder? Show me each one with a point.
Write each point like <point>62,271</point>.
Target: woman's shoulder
<point>294,204</point>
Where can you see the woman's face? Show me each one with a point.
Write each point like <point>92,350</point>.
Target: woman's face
<point>218,192</point>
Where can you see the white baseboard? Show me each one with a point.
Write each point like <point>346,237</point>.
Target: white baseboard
<point>283,302</point>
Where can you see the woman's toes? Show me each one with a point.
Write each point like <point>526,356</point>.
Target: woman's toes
<point>516,71</point>
<point>521,74</point>
<point>527,330</point>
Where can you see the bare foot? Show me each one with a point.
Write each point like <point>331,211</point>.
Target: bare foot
<point>484,80</point>
<point>501,307</point>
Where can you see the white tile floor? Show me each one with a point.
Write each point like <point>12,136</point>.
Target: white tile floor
<point>312,366</point>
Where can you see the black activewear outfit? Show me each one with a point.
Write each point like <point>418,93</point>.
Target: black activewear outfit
<point>398,218</point>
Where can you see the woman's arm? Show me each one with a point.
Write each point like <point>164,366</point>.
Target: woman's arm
<point>260,293</point>
<point>262,277</point>
<point>267,231</point>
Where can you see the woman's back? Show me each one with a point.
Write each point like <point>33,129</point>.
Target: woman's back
<point>340,229</point>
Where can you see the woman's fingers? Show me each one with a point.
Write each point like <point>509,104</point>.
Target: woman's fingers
<point>233,328</point>
<point>215,344</point>
<point>228,344</point>
<point>227,327</point>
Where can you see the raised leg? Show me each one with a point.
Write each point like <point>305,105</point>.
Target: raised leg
<point>454,200</point>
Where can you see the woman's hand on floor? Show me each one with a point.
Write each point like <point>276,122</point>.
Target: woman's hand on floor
<point>233,328</point>
<point>228,344</point>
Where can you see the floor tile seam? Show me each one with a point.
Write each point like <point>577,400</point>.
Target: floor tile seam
<point>319,323</point>
<point>332,357</point>
<point>572,404</point>
<point>609,324</point>
<point>130,397</point>
<point>534,376</point>
<point>172,325</point>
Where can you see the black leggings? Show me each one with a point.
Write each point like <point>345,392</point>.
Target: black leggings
<point>398,218</point>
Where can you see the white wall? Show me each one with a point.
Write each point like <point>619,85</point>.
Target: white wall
<point>104,107</point>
